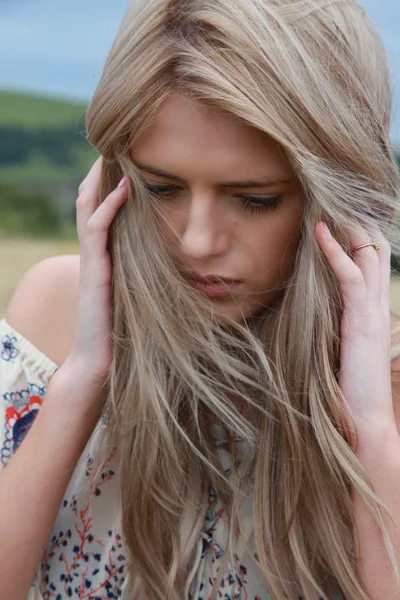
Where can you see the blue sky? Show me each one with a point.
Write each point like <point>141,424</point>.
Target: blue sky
<point>58,47</point>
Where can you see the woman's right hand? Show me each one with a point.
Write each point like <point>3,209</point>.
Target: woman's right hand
<point>91,352</point>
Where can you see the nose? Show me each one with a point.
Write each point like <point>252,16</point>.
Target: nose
<point>205,230</point>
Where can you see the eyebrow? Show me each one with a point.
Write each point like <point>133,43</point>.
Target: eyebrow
<point>268,181</point>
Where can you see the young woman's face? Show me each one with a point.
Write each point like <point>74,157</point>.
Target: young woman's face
<point>228,200</point>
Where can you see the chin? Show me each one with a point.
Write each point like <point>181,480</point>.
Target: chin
<point>224,313</point>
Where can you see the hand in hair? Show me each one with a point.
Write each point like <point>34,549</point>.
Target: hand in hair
<point>365,378</point>
<point>92,349</point>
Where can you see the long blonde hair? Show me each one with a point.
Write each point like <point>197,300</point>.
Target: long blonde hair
<point>313,75</point>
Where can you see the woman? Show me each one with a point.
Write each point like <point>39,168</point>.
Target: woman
<point>245,423</point>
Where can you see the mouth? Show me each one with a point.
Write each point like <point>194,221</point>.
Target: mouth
<point>214,286</point>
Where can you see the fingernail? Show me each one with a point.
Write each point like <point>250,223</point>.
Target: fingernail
<point>123,181</point>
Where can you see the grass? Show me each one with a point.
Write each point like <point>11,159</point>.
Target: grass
<point>31,111</point>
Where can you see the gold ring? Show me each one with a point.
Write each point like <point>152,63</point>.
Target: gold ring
<point>375,244</point>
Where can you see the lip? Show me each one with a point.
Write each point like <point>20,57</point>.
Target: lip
<point>208,279</point>
<point>216,290</point>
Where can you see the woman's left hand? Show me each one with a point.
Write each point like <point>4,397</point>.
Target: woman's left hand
<point>364,280</point>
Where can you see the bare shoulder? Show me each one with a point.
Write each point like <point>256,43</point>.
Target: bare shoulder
<point>44,305</point>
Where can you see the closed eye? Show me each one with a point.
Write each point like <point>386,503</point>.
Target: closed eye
<point>253,204</point>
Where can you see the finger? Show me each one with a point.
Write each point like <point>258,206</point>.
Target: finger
<point>350,277</point>
<point>97,227</point>
<point>97,165</point>
<point>88,199</point>
<point>367,260</point>
<point>384,255</point>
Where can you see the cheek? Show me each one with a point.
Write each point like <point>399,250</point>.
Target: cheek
<point>169,222</point>
<point>274,249</point>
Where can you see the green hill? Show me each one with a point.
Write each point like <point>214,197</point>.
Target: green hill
<point>44,156</point>
<point>42,142</point>
<point>33,111</point>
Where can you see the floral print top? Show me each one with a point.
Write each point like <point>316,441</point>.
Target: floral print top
<point>85,556</point>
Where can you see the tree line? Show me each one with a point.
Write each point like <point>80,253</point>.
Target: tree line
<point>41,203</point>
<point>17,145</point>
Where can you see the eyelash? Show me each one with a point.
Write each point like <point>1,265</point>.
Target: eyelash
<point>266,203</point>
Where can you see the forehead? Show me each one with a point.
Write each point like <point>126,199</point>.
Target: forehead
<point>187,134</point>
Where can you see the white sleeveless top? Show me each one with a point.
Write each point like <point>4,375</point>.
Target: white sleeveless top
<point>85,556</point>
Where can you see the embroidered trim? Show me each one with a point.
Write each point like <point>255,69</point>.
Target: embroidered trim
<point>21,409</point>
<point>9,349</point>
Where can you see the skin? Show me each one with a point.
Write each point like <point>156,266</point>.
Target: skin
<point>211,231</point>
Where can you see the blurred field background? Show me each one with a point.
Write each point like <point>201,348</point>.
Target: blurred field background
<point>44,156</point>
